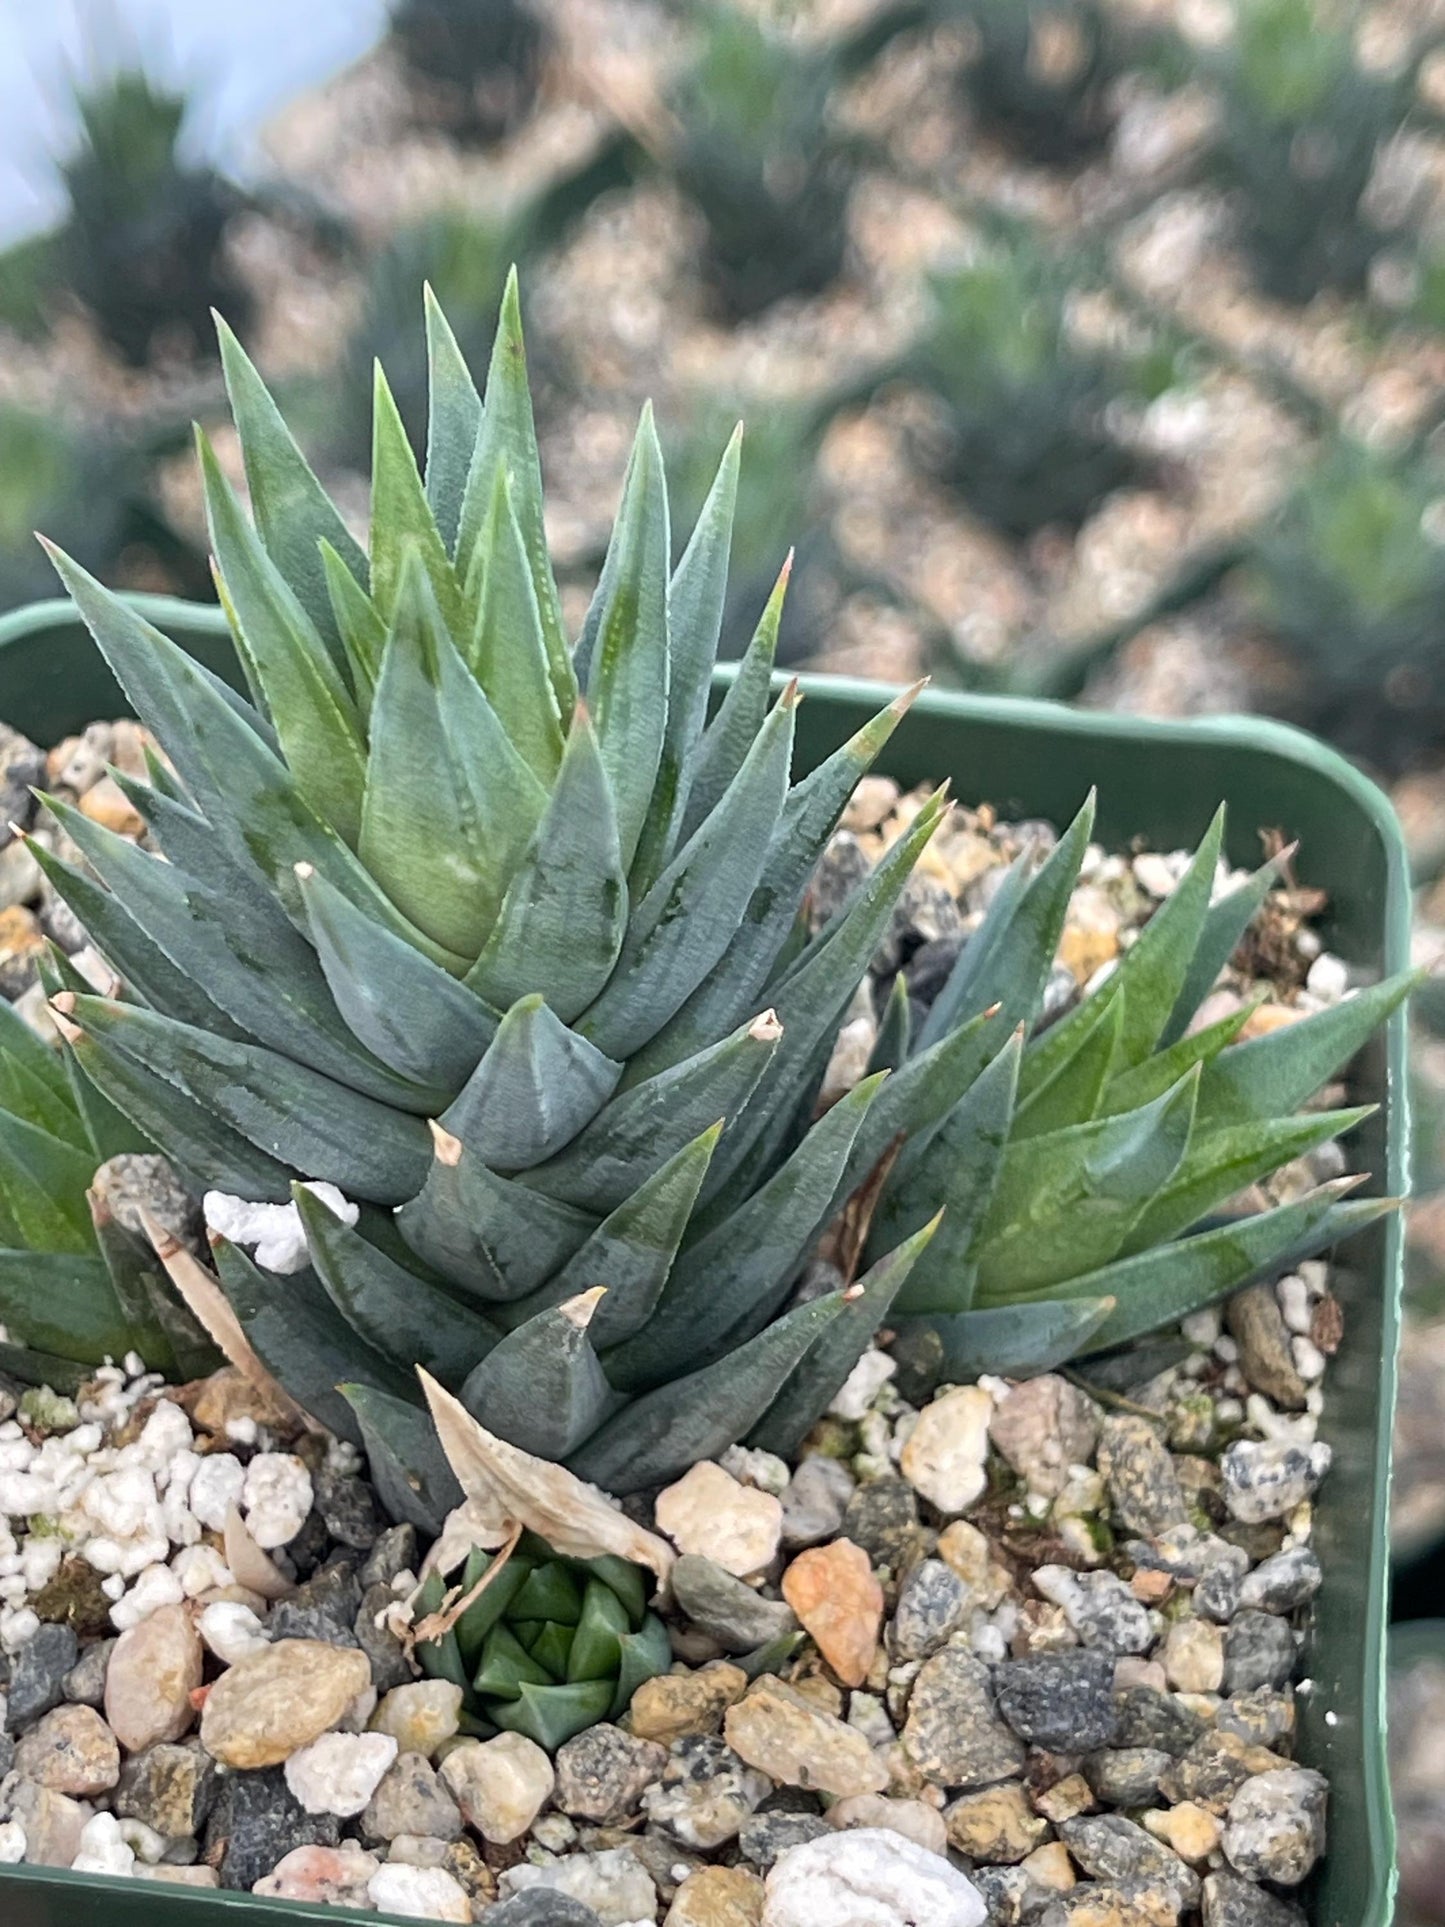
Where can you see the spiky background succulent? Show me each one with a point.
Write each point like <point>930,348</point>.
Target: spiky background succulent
<point>550,1646</point>
<point>474,65</point>
<point>1039,74</point>
<point>445,867</point>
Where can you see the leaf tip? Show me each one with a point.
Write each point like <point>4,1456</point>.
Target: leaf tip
<point>446,1148</point>
<point>765,1028</point>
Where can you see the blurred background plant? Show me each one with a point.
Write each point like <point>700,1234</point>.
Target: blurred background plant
<point>472,67</point>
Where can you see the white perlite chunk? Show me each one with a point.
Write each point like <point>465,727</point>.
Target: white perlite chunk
<point>157,1586</point>
<point>231,1630</point>
<point>276,1498</point>
<point>12,1843</point>
<point>863,1384</point>
<point>102,1848</point>
<point>215,1487</point>
<point>868,1878</point>
<point>273,1230</point>
<point>339,1772</point>
<point>615,1884</point>
<point>418,1893</point>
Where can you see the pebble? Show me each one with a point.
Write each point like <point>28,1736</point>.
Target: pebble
<point>998,1826</point>
<point>1257,1326</point>
<point>1044,1427</point>
<point>339,1772</point>
<point>103,1849</point>
<point>501,1785</point>
<point>707,1511</point>
<point>914,1819</point>
<point>255,1822</point>
<point>603,1772</point>
<point>931,1605</point>
<point>947,1449</point>
<point>347,1507</point>
<point>1267,1478</point>
<point>1229,1901</point>
<point>418,1893</point>
<point>322,1876</point>
<point>814,1501</point>
<point>12,1843</point>
<point>390,1665</point>
<point>1192,1831</point>
<point>705,1793</point>
<point>420,1716</point>
<point>839,1603</point>
<point>882,1517</point>
<point>84,1684</point>
<point>1111,1848</point>
<point>953,1734</point>
<point>1064,1701</point>
<point>154,1669</point>
<point>713,1598</point>
<point>71,1750</point>
<point>717,1897</point>
<point>1276,1825</point>
<point>411,1799</point>
<point>276,1496</point>
<point>1139,1473</point>
<point>1100,1608</point>
<point>868,1878</point>
<point>270,1704</point>
<point>1214,1769</point>
<point>324,1609</point>
<point>675,1704</point>
<point>1259,1650</point>
<point>38,1674</point>
<point>784,1735</point>
<point>541,1907</point>
<point>614,1884</point>
<point>1127,1776</point>
<point>767,1836</point>
<point>1193,1656</point>
<point>51,1824</point>
<point>169,1787</point>
<point>231,1631</point>
<point>1279,1584</point>
<point>1265,1717</point>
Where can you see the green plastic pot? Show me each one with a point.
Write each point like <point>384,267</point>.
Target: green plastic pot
<point>1156,780</point>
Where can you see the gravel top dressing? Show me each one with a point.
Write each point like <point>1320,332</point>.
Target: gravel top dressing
<point>1013,1651</point>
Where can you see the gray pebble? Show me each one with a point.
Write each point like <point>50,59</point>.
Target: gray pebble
<point>765,1836</point>
<point>325,1608</point>
<point>1144,1488</point>
<point>1264,1717</point>
<point>84,1684</point>
<point>1112,1848</point>
<point>1219,1593</point>
<point>171,1787</point>
<point>1258,1328</point>
<point>1147,1717</point>
<point>705,1793</point>
<point>257,1821</point>
<point>1289,1579</point>
<point>1064,1701</point>
<point>1230,1901</point>
<point>1259,1650</point>
<point>1127,1776</point>
<point>931,1604</point>
<point>1266,1478</point>
<point>539,1907</point>
<point>348,1507</point>
<point>603,1772</point>
<point>389,1663</point>
<point>412,1798</point>
<point>1276,1825</point>
<point>38,1673</point>
<point>739,1618</point>
<point>953,1733</point>
<point>393,1554</point>
<point>882,1517</point>
<point>814,1501</point>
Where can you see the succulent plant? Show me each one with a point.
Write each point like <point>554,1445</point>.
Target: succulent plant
<point>502,938</point>
<point>1301,125</point>
<point>1021,433</point>
<point>758,155</point>
<point>1040,73</point>
<point>77,1284</point>
<point>473,65</point>
<point>550,1645</point>
<point>1350,576</point>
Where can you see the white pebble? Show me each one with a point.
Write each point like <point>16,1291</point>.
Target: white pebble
<point>1155,874</point>
<point>215,1487</point>
<point>1294,1302</point>
<point>418,1893</point>
<point>339,1772</point>
<point>863,1384</point>
<point>1202,1328</point>
<point>144,1842</point>
<point>1309,1360</point>
<point>17,1628</point>
<point>157,1586</point>
<point>276,1498</point>
<point>231,1631</point>
<point>102,1849</point>
<point>274,1230</point>
<point>1329,977</point>
<point>166,1432</point>
<point>12,1843</point>
<point>1226,1349</point>
<point>200,1569</point>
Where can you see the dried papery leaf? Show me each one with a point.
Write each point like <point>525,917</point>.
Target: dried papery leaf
<point>438,1624</point>
<point>851,1236</point>
<point>203,1295</point>
<point>575,1519</point>
<point>250,1566</point>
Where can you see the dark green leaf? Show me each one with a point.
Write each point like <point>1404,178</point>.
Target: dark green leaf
<point>63,1302</point>
<point>1014,1340</point>
<point>404,532</point>
<point>1074,1090</point>
<point>454,421</point>
<point>729,736</point>
<point>597,1647</point>
<point>551,1715</point>
<point>508,649</point>
<point>536,1087</point>
<point>542,1388</point>
<point>404,1459</point>
<point>1224,926</point>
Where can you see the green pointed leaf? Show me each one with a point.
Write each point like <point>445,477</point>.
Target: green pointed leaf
<point>562,921</point>
<point>697,596</point>
<point>642,1655</point>
<point>42,1368</point>
<point>1066,1202</point>
<point>403,529</point>
<point>659,1436</point>
<point>43,1182</point>
<point>442,832</point>
<point>733,988</point>
<point>507,1666</point>
<point>633,1137</point>
<point>623,653</point>
<point>731,1282</point>
<point>597,1647</point>
<point>63,1302</point>
<point>626,1580</point>
<point>1008,959</point>
<point>1165,1068</point>
<point>550,1592</point>
<point>24,1047</point>
<point>1075,1088</point>
<point>689,917</point>
<point>404,1460</point>
<point>960,1170</point>
<point>302,1339</point>
<point>1222,1162</point>
<point>552,1715</point>
<point>632,1251</point>
<point>1273,1075</point>
<point>490,1236</point>
<point>439,1658</point>
<point>1154,970</point>
<point>508,649</point>
<point>729,735</point>
<point>820,1375</point>
<point>109,1132</point>
<point>536,1087</point>
<point>313,1123</point>
<point>895,1029</point>
<point>287,659</point>
<point>166,1333</point>
<point>361,629</point>
<point>402,1007</point>
<point>397,1313</point>
<point>454,421</point>
<point>36,1101</point>
<point>1224,926</point>
<point>292,510</point>
<point>488,1608</point>
<point>1016,1341</point>
<point>542,1388</point>
<point>509,438</point>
